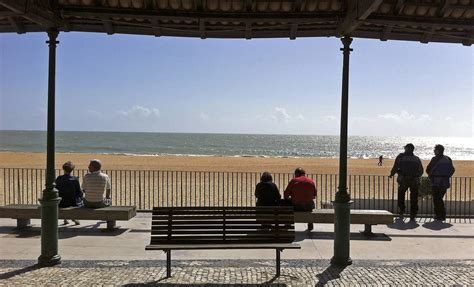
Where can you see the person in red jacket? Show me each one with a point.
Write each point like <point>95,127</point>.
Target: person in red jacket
<point>301,190</point>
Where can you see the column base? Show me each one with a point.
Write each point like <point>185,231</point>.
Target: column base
<point>341,263</point>
<point>45,261</point>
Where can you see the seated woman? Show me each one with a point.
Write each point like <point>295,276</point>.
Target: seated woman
<point>267,192</point>
<point>69,189</point>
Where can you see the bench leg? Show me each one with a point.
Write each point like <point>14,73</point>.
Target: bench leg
<point>23,223</point>
<point>368,230</point>
<point>278,262</point>
<point>111,225</point>
<point>168,263</point>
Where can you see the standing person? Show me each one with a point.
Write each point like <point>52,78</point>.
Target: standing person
<point>440,169</point>
<point>380,160</point>
<point>95,185</point>
<point>409,169</point>
<point>267,192</point>
<point>302,192</point>
<point>69,189</point>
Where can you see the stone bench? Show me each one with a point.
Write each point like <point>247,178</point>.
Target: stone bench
<point>358,216</point>
<point>23,213</point>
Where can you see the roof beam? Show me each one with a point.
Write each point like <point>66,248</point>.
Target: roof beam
<point>386,33</point>
<point>426,37</point>
<point>17,26</point>
<point>470,39</point>
<point>357,12</point>
<point>202,28</point>
<point>443,9</point>
<point>423,22</point>
<point>297,5</point>
<point>41,16</point>
<point>293,31</point>
<point>399,7</point>
<point>156,27</point>
<point>248,30</point>
<point>108,27</point>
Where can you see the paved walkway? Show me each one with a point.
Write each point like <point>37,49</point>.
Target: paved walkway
<point>421,253</point>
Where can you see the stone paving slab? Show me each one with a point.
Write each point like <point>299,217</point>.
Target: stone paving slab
<point>239,273</point>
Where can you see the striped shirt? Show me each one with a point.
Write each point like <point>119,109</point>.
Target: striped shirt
<point>95,185</point>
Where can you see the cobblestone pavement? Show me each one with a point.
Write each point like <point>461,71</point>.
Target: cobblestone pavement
<point>239,273</point>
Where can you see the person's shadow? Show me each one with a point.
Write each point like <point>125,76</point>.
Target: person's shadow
<point>400,224</point>
<point>437,225</point>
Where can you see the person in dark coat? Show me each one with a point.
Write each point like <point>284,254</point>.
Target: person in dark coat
<point>267,192</point>
<point>409,169</point>
<point>440,169</point>
<point>69,189</point>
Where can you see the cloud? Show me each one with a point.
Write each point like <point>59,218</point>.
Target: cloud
<point>204,116</point>
<point>281,115</point>
<point>404,116</point>
<point>328,118</point>
<point>140,112</point>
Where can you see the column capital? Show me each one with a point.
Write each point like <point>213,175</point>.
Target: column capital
<point>53,35</point>
<point>346,41</point>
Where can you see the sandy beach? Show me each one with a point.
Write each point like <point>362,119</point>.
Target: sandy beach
<point>234,164</point>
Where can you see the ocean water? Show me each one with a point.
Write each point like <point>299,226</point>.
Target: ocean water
<point>241,145</point>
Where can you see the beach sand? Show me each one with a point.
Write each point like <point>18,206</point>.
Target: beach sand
<point>214,163</point>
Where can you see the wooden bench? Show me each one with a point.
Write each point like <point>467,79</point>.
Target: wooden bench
<point>23,213</point>
<point>194,228</point>
<point>358,216</point>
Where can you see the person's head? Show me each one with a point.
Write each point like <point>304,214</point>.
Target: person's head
<point>68,167</point>
<point>95,165</point>
<point>409,148</point>
<point>299,172</point>
<point>266,177</point>
<point>438,149</point>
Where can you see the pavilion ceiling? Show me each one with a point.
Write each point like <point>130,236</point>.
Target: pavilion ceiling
<point>450,21</point>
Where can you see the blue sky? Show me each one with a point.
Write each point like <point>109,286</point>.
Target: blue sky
<point>276,86</point>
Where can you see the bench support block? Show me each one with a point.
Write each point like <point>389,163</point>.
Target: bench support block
<point>368,230</point>
<point>278,262</point>
<point>168,263</point>
<point>23,223</point>
<point>111,225</point>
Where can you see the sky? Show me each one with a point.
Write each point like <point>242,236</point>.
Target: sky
<point>259,86</point>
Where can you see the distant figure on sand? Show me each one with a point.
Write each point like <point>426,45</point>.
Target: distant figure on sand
<point>440,169</point>
<point>267,192</point>
<point>69,189</point>
<point>380,160</point>
<point>409,170</point>
<point>302,192</point>
<point>95,185</point>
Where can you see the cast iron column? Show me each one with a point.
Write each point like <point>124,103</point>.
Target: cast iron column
<point>343,199</point>
<point>50,200</point>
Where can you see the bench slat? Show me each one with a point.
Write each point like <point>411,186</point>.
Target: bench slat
<point>212,227</point>
<point>223,246</point>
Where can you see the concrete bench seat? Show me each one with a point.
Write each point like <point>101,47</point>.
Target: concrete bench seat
<point>23,213</point>
<point>358,216</point>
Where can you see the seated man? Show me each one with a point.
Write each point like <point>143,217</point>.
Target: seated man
<point>302,192</point>
<point>95,184</point>
<point>69,189</point>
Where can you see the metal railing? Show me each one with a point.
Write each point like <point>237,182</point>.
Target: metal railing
<point>148,188</point>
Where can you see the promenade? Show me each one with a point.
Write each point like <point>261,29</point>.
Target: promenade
<point>421,253</point>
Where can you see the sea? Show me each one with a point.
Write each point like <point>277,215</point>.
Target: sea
<point>232,145</point>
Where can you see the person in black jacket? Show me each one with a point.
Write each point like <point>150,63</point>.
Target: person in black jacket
<point>267,192</point>
<point>409,169</point>
<point>69,189</point>
<point>440,169</point>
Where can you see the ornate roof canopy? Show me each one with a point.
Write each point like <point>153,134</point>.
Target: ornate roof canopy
<point>449,21</point>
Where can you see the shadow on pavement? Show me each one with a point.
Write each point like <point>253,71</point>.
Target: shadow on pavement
<point>63,231</point>
<point>8,275</point>
<point>400,224</point>
<point>302,235</point>
<point>158,283</point>
<point>332,272</point>
<point>437,225</point>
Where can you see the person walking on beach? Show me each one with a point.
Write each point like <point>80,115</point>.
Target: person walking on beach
<point>380,160</point>
<point>439,170</point>
<point>409,169</point>
<point>69,189</point>
<point>267,192</point>
<point>301,190</point>
<point>95,184</point>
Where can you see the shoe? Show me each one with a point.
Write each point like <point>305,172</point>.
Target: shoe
<point>77,222</point>
<point>310,226</point>
<point>400,214</point>
<point>66,221</point>
<point>412,218</point>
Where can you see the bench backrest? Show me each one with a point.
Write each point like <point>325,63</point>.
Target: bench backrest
<point>222,225</point>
